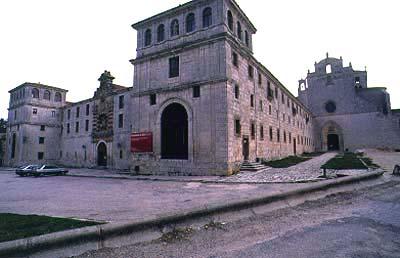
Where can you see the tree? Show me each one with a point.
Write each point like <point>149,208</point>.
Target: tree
<point>3,126</point>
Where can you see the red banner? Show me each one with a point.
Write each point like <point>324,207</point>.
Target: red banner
<point>142,142</point>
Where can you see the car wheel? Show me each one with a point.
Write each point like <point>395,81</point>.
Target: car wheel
<point>396,170</point>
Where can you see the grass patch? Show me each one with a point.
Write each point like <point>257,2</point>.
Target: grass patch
<point>345,161</point>
<point>370,162</point>
<point>286,162</point>
<point>13,226</point>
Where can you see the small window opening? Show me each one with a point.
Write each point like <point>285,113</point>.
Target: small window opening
<point>328,68</point>
<point>153,99</point>
<point>237,91</point>
<point>253,131</point>
<point>237,127</point>
<point>196,92</point>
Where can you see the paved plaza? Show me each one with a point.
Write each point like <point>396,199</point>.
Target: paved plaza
<point>108,196</point>
<point>116,199</point>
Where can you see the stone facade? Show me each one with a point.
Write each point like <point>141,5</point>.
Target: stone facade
<point>345,107</point>
<point>206,62</point>
<point>199,93</point>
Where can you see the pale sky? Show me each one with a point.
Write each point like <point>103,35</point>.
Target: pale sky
<point>69,43</point>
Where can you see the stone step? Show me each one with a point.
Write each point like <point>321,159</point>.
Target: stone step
<point>251,166</point>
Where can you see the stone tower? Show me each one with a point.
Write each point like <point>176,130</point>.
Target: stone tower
<point>34,130</point>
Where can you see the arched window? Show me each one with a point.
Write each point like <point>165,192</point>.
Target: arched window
<point>160,33</point>
<point>57,97</point>
<point>35,93</point>
<point>207,17</point>
<point>328,69</point>
<point>46,95</point>
<point>230,20</point>
<point>239,30</point>
<point>190,22</point>
<point>174,28</point>
<point>147,37</point>
<point>246,38</point>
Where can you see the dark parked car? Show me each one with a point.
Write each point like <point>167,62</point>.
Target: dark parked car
<point>40,170</point>
<point>26,170</point>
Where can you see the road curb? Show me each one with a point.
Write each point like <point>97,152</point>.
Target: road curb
<point>100,233</point>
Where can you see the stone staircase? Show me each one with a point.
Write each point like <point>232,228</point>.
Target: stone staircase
<point>251,166</point>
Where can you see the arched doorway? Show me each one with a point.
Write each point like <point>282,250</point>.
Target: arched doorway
<point>174,132</point>
<point>332,137</point>
<point>333,142</point>
<point>102,155</point>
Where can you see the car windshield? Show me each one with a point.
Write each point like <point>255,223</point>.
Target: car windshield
<point>30,167</point>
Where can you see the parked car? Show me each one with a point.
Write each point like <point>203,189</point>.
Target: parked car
<point>26,170</point>
<point>41,170</point>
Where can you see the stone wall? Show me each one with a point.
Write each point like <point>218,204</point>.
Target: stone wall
<point>274,112</point>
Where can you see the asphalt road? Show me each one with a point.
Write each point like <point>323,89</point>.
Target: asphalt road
<point>360,224</point>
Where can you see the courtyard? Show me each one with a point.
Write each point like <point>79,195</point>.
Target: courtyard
<point>109,197</point>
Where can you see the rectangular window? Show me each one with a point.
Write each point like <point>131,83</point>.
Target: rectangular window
<point>34,111</point>
<point>196,92</point>
<point>41,140</point>
<point>153,99</point>
<point>40,155</point>
<point>251,72</point>
<point>87,125</point>
<point>253,131</point>
<point>261,106</point>
<point>251,100</point>
<point>78,109</point>
<point>77,127</point>
<point>237,92</point>
<point>120,121</point>
<point>259,78</point>
<point>290,137</point>
<point>121,156</point>
<point>87,109</point>
<point>261,132</point>
<point>237,127</point>
<point>271,134</point>
<point>270,110</point>
<point>284,137</point>
<point>121,102</point>
<point>235,59</point>
<point>42,128</point>
<point>283,98</point>
<point>278,135</point>
<point>276,92</point>
<point>68,128</point>
<point>270,93</point>
<point>15,115</point>
<point>174,67</point>
<point>69,114</point>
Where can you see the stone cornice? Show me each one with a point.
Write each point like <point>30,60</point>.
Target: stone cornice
<point>180,48</point>
<point>178,88</point>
